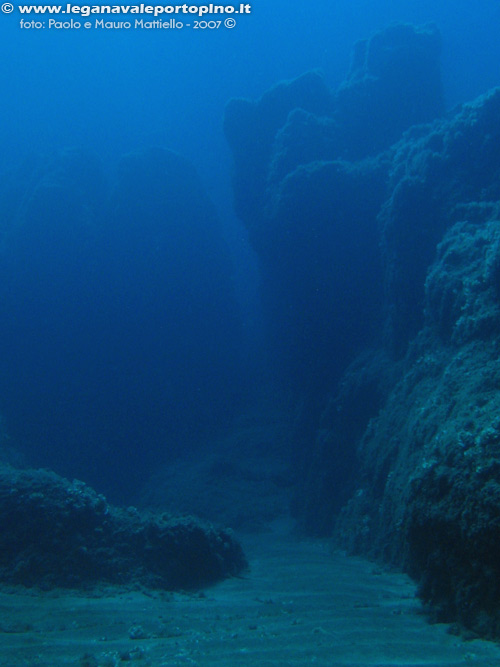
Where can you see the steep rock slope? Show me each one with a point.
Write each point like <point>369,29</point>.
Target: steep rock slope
<point>382,282</point>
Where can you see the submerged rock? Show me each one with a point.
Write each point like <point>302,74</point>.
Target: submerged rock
<point>56,533</point>
<point>427,494</point>
<point>308,186</point>
<point>435,171</point>
<point>398,253</point>
<point>394,83</point>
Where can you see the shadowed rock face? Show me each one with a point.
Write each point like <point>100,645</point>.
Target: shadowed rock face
<point>60,533</point>
<point>397,252</point>
<point>310,210</point>
<point>434,172</point>
<point>251,127</point>
<point>119,326</point>
<point>425,488</point>
<point>394,83</point>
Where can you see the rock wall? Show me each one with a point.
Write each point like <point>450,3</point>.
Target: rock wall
<point>309,183</point>
<point>396,253</point>
<point>428,486</point>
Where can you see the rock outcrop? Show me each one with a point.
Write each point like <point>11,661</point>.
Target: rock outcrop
<point>56,533</point>
<point>381,273</point>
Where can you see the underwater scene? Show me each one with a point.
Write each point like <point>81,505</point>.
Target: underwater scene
<point>250,334</point>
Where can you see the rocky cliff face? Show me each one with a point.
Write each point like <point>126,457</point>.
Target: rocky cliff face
<point>381,276</point>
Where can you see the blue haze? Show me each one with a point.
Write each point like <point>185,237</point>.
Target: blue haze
<point>112,92</point>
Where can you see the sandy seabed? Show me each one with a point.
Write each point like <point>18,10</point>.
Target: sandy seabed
<point>298,604</point>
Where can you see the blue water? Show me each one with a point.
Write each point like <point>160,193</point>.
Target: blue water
<point>114,91</point>
<point>126,341</point>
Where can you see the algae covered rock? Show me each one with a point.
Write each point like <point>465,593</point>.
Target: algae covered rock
<point>462,285</point>
<point>395,249</point>
<point>57,533</point>
<point>436,171</point>
<point>428,493</point>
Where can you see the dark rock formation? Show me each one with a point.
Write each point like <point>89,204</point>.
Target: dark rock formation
<point>315,250</point>
<point>394,83</point>
<point>400,253</point>
<point>56,533</point>
<point>251,127</point>
<point>427,481</point>
<point>433,171</point>
<point>333,466</point>
<point>298,192</point>
<point>428,495</point>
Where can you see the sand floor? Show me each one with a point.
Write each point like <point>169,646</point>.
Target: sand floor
<point>299,604</point>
